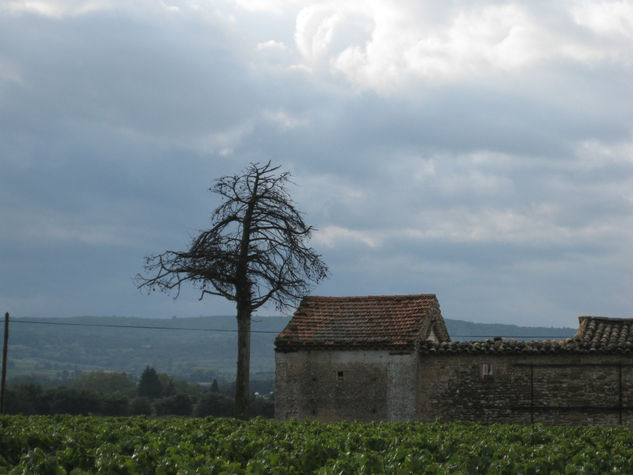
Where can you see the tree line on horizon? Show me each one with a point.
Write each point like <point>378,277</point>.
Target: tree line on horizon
<point>116,394</point>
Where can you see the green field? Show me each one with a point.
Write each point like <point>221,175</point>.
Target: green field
<point>77,444</point>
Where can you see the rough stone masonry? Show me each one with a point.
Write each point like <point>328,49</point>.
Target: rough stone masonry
<point>390,358</point>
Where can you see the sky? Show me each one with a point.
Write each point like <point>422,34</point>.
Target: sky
<point>481,151</point>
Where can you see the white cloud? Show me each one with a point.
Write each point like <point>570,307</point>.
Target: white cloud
<point>542,224</point>
<point>224,142</point>
<point>315,28</point>
<point>537,225</point>
<point>271,45</point>
<point>56,226</point>
<point>593,154</point>
<point>332,236</point>
<point>301,68</point>
<point>476,174</point>
<point>499,225</point>
<point>328,194</point>
<point>423,170</point>
<point>269,6</point>
<point>399,43</point>
<point>284,119</point>
<point>56,8</point>
<point>611,32</point>
<point>172,8</point>
<point>59,9</point>
<point>9,72</point>
<point>605,18</point>
<point>273,57</point>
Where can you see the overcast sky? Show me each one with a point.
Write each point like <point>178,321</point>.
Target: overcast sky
<point>482,151</point>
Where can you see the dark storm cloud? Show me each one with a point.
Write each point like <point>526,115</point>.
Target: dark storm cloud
<point>111,69</point>
<point>472,152</point>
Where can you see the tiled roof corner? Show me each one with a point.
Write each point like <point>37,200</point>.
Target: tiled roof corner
<point>604,331</point>
<point>594,335</point>
<point>394,322</point>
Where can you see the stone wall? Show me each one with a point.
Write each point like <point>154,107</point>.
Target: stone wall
<point>345,385</point>
<point>510,388</point>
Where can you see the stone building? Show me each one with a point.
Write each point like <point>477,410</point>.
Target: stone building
<point>587,379</point>
<point>354,357</point>
<point>390,358</point>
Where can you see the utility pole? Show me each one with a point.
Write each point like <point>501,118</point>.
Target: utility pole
<point>4,361</point>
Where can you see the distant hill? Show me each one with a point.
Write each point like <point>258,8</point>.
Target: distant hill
<point>460,330</point>
<point>193,348</point>
<point>59,347</point>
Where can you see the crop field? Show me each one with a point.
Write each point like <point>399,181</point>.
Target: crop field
<point>79,444</point>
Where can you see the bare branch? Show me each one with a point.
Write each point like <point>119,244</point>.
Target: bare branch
<point>254,252</point>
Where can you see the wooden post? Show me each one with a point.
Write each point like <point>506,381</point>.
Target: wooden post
<point>620,391</point>
<point>532,393</point>
<point>4,361</point>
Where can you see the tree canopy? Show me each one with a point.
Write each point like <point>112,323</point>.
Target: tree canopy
<point>149,385</point>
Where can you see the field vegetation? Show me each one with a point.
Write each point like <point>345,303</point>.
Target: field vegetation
<point>80,444</point>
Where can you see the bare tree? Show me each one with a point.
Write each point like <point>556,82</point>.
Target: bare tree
<point>255,253</point>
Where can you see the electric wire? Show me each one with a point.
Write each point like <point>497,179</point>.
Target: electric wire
<point>226,330</point>
<point>141,327</point>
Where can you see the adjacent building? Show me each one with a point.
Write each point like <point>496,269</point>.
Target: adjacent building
<point>587,379</point>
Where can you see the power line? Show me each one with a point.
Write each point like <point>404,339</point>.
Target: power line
<point>511,336</point>
<point>224,330</point>
<point>141,327</point>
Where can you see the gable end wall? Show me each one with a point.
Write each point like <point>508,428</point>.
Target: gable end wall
<point>328,385</point>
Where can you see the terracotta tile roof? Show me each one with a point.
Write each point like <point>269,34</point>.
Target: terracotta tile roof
<point>394,322</point>
<point>604,331</point>
<point>595,334</point>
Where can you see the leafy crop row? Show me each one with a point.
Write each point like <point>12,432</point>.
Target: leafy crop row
<point>78,444</point>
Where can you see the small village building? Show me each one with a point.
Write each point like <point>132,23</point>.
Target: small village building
<point>390,358</point>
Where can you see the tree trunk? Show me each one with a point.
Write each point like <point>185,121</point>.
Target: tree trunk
<point>242,391</point>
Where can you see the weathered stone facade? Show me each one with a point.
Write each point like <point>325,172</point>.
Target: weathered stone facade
<point>587,379</point>
<point>369,385</point>
<point>547,388</point>
<point>330,367</point>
